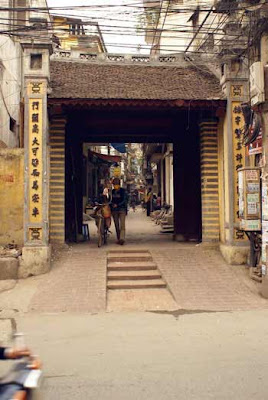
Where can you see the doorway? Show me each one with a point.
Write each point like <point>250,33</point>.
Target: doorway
<point>173,149</point>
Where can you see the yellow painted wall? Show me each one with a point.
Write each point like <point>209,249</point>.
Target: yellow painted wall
<point>69,41</point>
<point>61,28</point>
<point>11,195</point>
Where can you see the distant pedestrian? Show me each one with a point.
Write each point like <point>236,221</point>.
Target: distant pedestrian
<point>133,201</point>
<point>158,202</point>
<point>148,201</point>
<point>119,210</point>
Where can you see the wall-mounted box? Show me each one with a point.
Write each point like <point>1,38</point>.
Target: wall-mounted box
<point>257,95</point>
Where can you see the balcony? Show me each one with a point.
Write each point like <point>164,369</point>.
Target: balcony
<point>225,6</point>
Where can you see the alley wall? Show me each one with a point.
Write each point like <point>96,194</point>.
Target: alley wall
<point>10,86</point>
<point>11,196</point>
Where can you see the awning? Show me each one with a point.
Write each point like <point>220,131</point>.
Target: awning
<point>121,147</point>
<point>103,158</point>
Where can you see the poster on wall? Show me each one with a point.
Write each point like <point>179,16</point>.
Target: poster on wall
<point>241,194</point>
<point>264,239</point>
<point>253,187</point>
<point>264,200</point>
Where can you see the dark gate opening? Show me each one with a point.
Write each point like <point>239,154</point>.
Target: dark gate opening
<point>137,125</point>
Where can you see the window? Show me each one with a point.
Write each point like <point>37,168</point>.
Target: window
<point>36,61</point>
<point>17,18</point>
<point>76,29</point>
<point>12,125</point>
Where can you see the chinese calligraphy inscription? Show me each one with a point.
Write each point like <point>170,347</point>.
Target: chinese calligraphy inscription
<point>35,88</point>
<point>35,165</point>
<point>237,91</point>
<point>238,161</point>
<point>35,233</point>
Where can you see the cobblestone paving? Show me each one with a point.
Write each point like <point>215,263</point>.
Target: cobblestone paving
<point>76,283</point>
<point>198,277</point>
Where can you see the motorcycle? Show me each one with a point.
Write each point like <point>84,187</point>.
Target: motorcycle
<point>23,381</point>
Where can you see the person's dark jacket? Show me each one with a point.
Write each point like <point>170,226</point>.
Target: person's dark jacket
<point>119,198</point>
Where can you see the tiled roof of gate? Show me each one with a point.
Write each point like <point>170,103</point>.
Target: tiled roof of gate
<point>101,81</point>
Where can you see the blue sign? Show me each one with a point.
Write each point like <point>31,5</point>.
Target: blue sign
<point>121,147</point>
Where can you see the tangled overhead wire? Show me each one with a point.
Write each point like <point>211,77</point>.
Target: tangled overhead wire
<point>252,125</point>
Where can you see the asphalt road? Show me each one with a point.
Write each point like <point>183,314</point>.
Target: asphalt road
<point>151,356</point>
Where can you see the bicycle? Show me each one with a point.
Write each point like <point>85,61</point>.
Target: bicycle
<point>133,206</point>
<point>103,229</point>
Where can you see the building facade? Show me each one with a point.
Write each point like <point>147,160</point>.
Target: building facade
<point>194,115</point>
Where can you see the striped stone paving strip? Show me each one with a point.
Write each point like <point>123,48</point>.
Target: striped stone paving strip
<point>135,283</point>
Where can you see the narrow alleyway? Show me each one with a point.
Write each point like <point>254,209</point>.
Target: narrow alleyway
<point>197,277</point>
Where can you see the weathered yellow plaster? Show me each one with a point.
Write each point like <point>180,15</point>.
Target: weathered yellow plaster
<point>11,195</point>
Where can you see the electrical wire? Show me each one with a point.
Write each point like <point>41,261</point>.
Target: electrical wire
<point>56,24</point>
<point>121,30</point>
<point>227,9</point>
<point>111,25</point>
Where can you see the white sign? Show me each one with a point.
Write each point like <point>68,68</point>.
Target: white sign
<point>253,187</point>
<point>264,239</point>
<point>252,175</point>
<point>252,208</point>
<point>264,200</point>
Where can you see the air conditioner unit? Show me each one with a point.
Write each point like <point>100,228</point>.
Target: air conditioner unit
<point>257,95</point>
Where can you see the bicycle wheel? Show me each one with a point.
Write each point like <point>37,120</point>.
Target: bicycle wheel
<point>100,234</point>
<point>105,236</point>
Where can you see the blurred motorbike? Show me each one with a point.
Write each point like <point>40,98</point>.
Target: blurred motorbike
<point>23,381</point>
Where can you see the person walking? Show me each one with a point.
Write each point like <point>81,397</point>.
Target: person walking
<point>119,210</point>
<point>133,201</point>
<point>148,200</point>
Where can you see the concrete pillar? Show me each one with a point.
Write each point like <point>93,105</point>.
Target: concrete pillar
<point>36,251</point>
<point>167,180</point>
<point>235,85</point>
<point>162,182</point>
<point>171,196</point>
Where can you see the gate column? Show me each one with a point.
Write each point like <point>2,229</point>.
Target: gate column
<point>36,252</point>
<point>234,245</point>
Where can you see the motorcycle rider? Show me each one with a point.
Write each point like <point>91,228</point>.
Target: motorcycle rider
<point>9,353</point>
